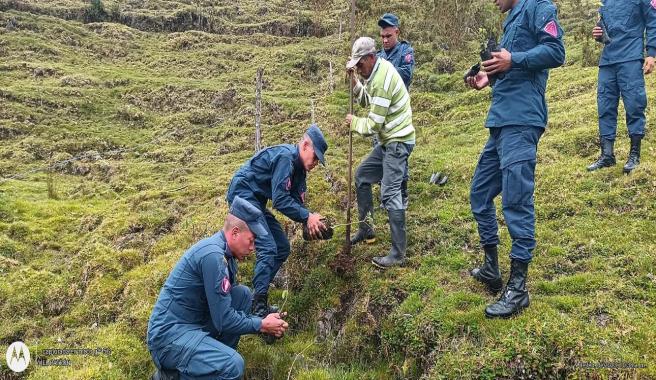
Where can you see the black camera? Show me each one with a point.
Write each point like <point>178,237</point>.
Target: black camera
<point>605,39</point>
<point>489,47</point>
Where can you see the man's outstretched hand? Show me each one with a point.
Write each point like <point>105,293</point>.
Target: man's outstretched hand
<point>315,225</point>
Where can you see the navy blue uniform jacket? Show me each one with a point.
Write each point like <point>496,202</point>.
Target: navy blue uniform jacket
<point>532,34</point>
<point>626,21</point>
<point>196,297</point>
<point>274,173</point>
<point>402,56</point>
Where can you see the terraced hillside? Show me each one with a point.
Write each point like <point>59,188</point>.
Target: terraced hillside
<point>122,122</point>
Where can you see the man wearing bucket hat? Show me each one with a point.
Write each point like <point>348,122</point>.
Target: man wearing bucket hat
<point>278,173</point>
<point>390,118</point>
<point>202,311</point>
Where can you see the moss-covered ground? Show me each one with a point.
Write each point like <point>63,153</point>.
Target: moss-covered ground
<point>119,138</point>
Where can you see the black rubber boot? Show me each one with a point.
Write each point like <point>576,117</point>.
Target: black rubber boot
<point>489,273</point>
<point>634,155</point>
<point>365,232</point>
<point>260,305</point>
<point>607,157</point>
<point>261,309</point>
<point>515,297</point>
<point>163,374</point>
<point>399,241</point>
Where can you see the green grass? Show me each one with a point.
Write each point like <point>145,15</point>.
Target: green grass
<point>156,122</point>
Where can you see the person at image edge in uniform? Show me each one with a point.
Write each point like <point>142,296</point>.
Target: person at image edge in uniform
<point>622,67</point>
<point>532,43</point>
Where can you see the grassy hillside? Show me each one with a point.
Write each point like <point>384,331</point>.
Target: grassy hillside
<point>121,129</point>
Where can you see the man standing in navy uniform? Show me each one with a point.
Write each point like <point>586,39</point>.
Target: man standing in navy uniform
<point>398,53</point>
<point>531,45</point>
<point>201,311</point>
<point>402,56</point>
<point>621,72</point>
<point>278,173</point>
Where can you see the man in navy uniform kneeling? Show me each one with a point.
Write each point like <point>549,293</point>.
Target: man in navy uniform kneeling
<point>202,311</point>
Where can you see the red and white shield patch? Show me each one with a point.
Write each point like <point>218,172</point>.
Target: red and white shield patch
<point>552,29</point>
<point>408,57</point>
<point>288,184</point>
<point>653,4</point>
<point>225,285</point>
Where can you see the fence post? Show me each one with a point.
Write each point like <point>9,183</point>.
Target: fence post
<point>258,110</point>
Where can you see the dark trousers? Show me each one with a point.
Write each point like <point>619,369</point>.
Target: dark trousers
<point>624,79</point>
<point>507,167</point>
<point>386,164</point>
<point>271,251</point>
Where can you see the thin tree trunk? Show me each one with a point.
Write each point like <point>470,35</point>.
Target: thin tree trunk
<point>352,21</point>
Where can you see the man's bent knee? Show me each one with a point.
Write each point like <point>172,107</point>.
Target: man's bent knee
<point>234,368</point>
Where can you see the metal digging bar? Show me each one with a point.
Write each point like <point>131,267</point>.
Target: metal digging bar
<point>347,243</point>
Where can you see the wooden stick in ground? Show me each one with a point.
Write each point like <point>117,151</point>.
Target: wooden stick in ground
<point>258,110</point>
<point>347,245</point>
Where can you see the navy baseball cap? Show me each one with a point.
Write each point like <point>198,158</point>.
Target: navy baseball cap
<point>249,214</point>
<point>388,19</point>
<point>318,142</point>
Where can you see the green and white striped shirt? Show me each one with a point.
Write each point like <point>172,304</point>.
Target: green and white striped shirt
<point>390,115</point>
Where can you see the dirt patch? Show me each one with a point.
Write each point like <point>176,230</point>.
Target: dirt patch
<point>43,72</point>
<point>601,318</point>
<point>76,81</point>
<point>343,265</point>
<point>9,133</point>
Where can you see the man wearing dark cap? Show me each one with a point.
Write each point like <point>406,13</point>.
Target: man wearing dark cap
<point>402,56</point>
<point>390,118</point>
<point>278,173</point>
<point>398,53</point>
<point>202,311</point>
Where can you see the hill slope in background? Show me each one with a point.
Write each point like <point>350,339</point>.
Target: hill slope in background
<point>121,126</point>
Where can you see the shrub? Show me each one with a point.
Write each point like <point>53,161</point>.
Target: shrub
<point>96,12</point>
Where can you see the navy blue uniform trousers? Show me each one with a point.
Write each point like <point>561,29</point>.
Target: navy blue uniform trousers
<point>215,357</point>
<point>272,250</point>
<point>507,167</point>
<point>624,79</point>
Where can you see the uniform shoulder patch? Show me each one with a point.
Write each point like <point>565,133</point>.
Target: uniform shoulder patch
<point>408,57</point>
<point>225,285</point>
<point>552,29</point>
<point>288,184</point>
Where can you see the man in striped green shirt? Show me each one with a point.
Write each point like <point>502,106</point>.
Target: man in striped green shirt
<point>390,119</point>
